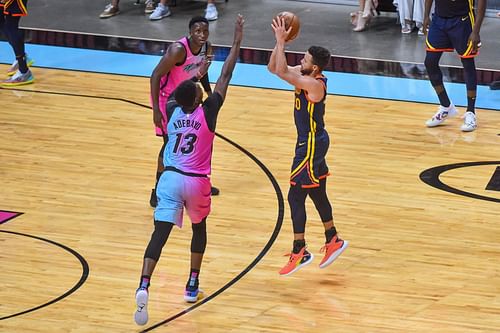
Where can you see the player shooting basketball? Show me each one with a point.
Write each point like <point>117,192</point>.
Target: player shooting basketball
<point>309,169</point>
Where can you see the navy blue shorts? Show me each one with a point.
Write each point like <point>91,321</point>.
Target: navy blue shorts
<point>448,34</point>
<point>14,7</point>
<point>309,164</point>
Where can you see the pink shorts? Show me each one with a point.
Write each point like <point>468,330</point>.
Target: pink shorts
<point>176,192</point>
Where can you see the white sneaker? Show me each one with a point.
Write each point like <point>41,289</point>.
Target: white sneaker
<point>441,115</point>
<point>160,12</point>
<point>150,7</point>
<point>470,123</point>
<point>141,299</point>
<point>211,12</point>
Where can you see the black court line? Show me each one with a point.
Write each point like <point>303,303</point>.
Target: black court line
<point>81,281</point>
<point>274,235</point>
<point>494,183</point>
<point>272,179</point>
<point>431,177</point>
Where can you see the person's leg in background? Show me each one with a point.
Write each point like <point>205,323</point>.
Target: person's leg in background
<point>15,36</point>
<point>161,11</point>
<point>211,13</point>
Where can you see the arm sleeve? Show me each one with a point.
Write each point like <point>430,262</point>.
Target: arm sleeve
<point>211,107</point>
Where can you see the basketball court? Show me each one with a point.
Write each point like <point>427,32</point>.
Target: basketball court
<point>78,156</point>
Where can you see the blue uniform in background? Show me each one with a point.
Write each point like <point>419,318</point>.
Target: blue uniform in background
<point>451,27</point>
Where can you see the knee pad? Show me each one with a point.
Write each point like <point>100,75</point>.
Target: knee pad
<point>199,240</point>
<point>158,240</point>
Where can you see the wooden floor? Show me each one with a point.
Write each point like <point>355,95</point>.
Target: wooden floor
<point>78,159</point>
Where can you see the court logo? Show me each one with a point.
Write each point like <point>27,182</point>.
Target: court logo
<point>431,177</point>
<point>6,215</point>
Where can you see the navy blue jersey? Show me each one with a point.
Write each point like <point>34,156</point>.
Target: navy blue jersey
<point>452,8</point>
<point>309,164</point>
<point>308,115</point>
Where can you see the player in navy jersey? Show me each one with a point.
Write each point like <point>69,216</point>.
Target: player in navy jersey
<point>454,26</point>
<point>11,12</point>
<point>309,169</point>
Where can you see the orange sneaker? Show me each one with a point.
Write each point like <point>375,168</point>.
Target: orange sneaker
<point>297,261</point>
<point>332,250</point>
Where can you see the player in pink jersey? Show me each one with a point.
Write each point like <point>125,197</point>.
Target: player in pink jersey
<point>185,183</point>
<point>188,58</point>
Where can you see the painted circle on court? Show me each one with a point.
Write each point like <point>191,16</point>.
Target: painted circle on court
<point>431,178</point>
<point>53,262</point>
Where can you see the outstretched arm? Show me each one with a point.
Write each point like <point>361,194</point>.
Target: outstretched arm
<point>230,62</point>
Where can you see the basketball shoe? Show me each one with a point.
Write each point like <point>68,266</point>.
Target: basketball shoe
<point>192,295</point>
<point>19,79</point>
<point>441,115</point>
<point>15,66</point>
<point>211,12</point>
<point>470,123</point>
<point>141,299</point>
<point>332,250</point>
<point>109,11</point>
<point>160,12</point>
<point>297,261</point>
<point>150,7</point>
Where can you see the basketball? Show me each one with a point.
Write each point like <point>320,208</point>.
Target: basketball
<point>291,20</point>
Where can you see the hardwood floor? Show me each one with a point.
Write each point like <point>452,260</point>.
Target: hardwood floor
<point>78,158</point>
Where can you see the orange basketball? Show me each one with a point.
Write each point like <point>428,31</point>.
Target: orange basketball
<point>291,20</point>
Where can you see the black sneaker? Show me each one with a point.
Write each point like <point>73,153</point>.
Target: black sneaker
<point>214,191</point>
<point>153,200</point>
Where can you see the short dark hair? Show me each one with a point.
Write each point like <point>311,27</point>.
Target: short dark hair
<point>320,56</point>
<point>197,19</point>
<point>185,93</point>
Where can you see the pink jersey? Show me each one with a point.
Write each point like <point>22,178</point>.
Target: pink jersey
<point>183,72</point>
<point>189,145</point>
<point>179,73</point>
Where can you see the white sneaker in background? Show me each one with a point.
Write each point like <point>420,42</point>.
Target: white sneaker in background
<point>470,123</point>
<point>441,115</point>
<point>211,12</point>
<point>160,12</point>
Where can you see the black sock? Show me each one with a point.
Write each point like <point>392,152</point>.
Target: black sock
<point>193,280</point>
<point>298,245</point>
<point>471,103</point>
<point>23,67</point>
<point>144,283</point>
<point>330,233</point>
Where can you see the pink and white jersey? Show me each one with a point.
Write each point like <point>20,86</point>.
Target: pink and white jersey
<point>190,141</point>
<point>182,72</point>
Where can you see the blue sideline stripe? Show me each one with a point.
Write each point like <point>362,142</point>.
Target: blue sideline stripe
<point>358,85</point>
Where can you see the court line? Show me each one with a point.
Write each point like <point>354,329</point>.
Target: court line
<point>267,247</point>
<point>83,278</point>
<point>251,75</point>
<point>431,178</point>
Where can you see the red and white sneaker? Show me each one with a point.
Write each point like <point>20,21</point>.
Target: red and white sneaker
<point>297,261</point>
<point>332,250</point>
<point>441,115</point>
